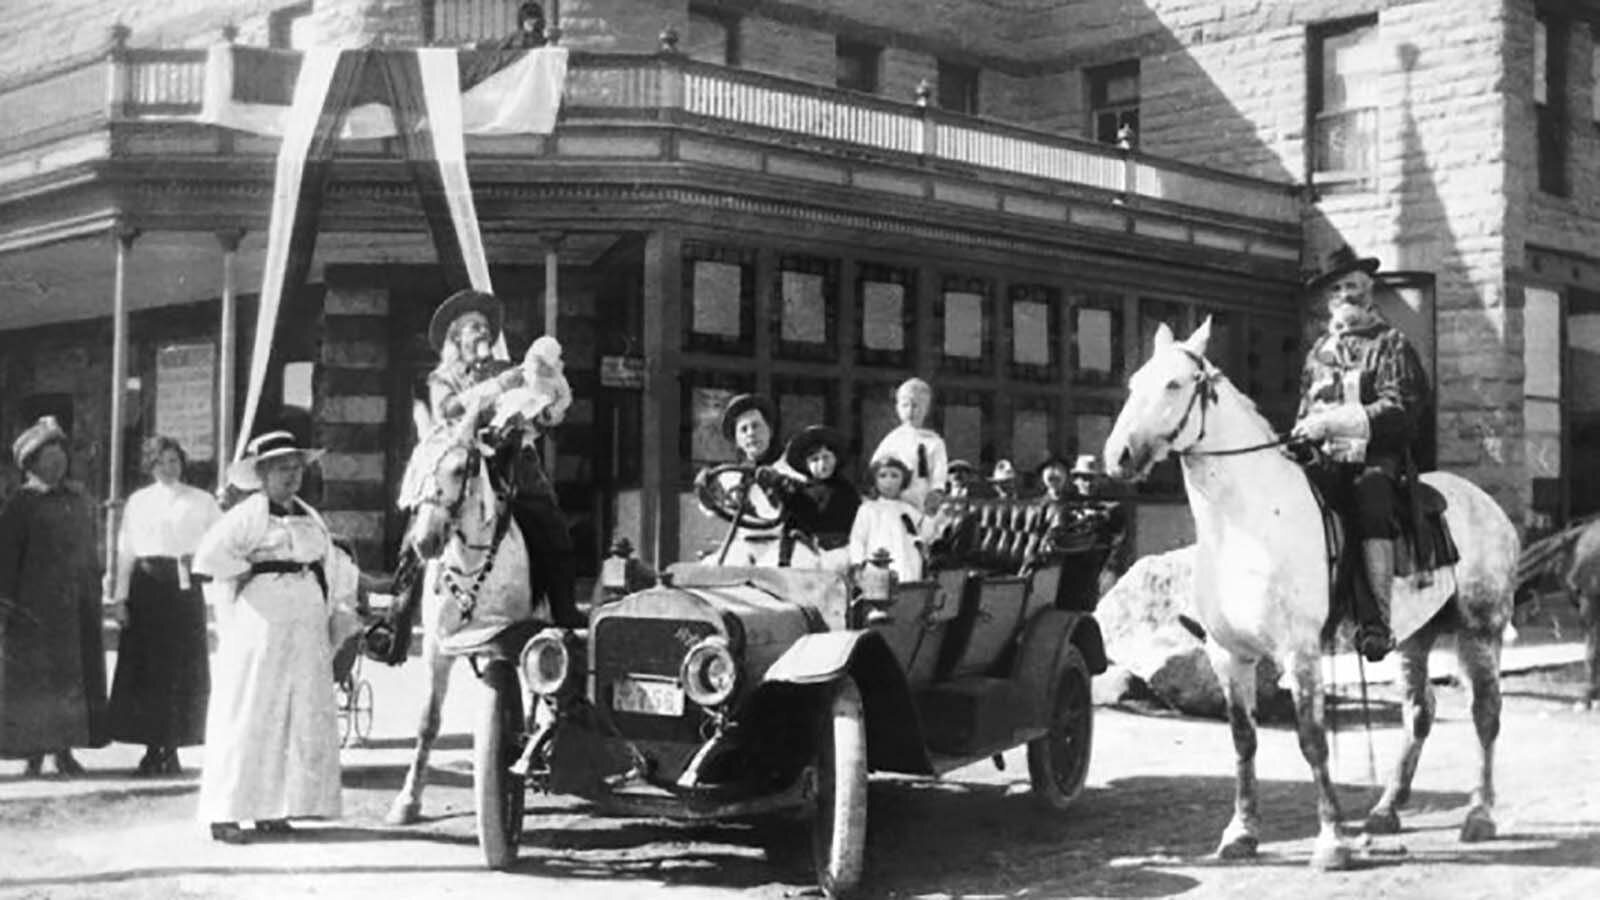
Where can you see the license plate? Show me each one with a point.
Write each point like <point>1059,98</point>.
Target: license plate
<point>650,698</point>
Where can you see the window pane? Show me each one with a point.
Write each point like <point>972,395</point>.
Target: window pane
<point>706,443</point>
<point>1347,142</point>
<point>875,406</point>
<point>1350,69</point>
<point>804,310</point>
<point>1092,431</point>
<point>1030,437</point>
<point>1541,336</point>
<point>796,411</point>
<point>883,315</point>
<point>1030,333</point>
<point>1095,339</point>
<point>1122,88</point>
<point>963,325</point>
<point>963,430</point>
<point>717,290</point>
<point>708,39</point>
<point>1541,61</point>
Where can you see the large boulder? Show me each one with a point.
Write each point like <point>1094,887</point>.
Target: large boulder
<point>1161,656</point>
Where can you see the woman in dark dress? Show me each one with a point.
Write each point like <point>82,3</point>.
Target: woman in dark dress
<point>52,661</point>
<point>163,670</point>
<point>824,505</point>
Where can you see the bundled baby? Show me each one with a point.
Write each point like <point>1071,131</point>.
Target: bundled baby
<point>542,398</point>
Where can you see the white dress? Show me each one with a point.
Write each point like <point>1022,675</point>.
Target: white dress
<point>902,444</point>
<point>272,740</point>
<point>893,525</point>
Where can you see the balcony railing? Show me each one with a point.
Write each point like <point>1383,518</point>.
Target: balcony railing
<point>143,84</point>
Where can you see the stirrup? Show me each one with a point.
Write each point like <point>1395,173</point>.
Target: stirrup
<point>1374,641</point>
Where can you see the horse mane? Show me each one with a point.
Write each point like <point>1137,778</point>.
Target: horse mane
<point>432,446</point>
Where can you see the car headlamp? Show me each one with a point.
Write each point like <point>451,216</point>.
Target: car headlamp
<point>547,661</point>
<point>709,673</point>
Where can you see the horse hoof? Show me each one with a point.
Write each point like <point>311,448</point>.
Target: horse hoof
<point>1330,858</point>
<point>1383,822</point>
<point>1242,847</point>
<point>1478,827</point>
<point>403,813</point>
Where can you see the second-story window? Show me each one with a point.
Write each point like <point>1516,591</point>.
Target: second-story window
<point>713,36</point>
<point>1549,101</point>
<point>1114,100</point>
<point>857,65</point>
<point>958,87</point>
<point>1343,95</point>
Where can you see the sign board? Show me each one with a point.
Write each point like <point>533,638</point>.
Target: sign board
<point>622,372</point>
<point>186,397</point>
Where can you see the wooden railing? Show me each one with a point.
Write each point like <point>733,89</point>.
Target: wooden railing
<point>133,84</point>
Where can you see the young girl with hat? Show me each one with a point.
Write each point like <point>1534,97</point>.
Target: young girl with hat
<point>888,522</point>
<point>825,505</point>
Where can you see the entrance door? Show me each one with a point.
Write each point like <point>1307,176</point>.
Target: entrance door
<point>1582,396</point>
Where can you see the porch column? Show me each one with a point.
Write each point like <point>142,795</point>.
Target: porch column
<point>552,312</point>
<point>227,351</point>
<point>125,236</point>
<point>661,463</point>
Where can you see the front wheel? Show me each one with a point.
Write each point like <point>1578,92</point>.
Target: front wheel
<point>839,828</point>
<point>1058,761</point>
<point>496,744</point>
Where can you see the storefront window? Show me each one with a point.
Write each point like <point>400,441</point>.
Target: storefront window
<point>1092,429</point>
<point>806,311</point>
<point>719,289</point>
<point>962,415</point>
<point>803,402</point>
<point>964,324</point>
<point>887,314</point>
<point>705,396</point>
<point>1097,339</point>
<point>874,415</point>
<point>1031,438</point>
<point>1035,331</point>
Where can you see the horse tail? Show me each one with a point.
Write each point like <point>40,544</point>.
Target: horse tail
<point>1548,559</point>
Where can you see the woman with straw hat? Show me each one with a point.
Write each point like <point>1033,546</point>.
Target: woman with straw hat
<point>272,740</point>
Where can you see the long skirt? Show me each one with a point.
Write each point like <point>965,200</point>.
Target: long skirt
<point>272,741</point>
<point>163,675</point>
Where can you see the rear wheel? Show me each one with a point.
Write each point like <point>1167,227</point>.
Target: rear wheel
<point>839,827</point>
<point>1058,762</point>
<point>496,744</point>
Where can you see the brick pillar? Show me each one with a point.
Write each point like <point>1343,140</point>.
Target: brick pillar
<point>352,421</point>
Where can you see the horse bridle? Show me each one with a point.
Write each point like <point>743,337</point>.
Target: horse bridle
<point>467,597</point>
<point>1205,394</point>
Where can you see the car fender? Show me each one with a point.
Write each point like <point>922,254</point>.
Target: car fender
<point>1039,657</point>
<point>816,661</point>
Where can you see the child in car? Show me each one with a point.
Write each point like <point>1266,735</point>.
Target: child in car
<point>888,522</point>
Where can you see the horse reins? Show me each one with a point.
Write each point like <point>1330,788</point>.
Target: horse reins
<point>467,597</point>
<point>1205,393</point>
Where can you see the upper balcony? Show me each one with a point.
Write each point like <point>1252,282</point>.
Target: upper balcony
<point>132,105</point>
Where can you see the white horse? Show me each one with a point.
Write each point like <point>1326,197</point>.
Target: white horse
<point>1261,585</point>
<point>474,584</point>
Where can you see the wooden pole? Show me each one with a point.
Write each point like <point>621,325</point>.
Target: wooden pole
<point>227,351</point>
<point>125,236</point>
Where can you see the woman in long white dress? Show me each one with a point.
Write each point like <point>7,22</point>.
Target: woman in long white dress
<point>272,750</point>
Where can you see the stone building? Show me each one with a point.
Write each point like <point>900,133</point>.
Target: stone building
<point>817,199</point>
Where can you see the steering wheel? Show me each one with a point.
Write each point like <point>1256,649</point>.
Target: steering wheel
<point>725,489</point>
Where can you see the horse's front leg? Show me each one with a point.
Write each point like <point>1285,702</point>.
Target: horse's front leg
<point>1330,850</point>
<point>1417,706</point>
<point>1479,653</point>
<point>407,806</point>
<point>1242,836</point>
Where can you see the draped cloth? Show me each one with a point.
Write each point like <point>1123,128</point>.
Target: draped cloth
<point>429,99</point>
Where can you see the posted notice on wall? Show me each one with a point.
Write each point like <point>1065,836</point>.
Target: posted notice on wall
<point>186,396</point>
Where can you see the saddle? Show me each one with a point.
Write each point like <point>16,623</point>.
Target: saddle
<point>1423,544</point>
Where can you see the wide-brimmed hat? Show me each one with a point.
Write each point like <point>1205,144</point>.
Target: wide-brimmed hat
<point>802,445</point>
<point>742,404</point>
<point>1003,471</point>
<point>1340,263</point>
<point>245,473</point>
<point>459,304</point>
<point>961,465</point>
<point>40,433</point>
<point>1087,464</point>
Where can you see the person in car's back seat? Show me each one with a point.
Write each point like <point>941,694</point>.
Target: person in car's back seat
<point>825,505</point>
<point>888,522</point>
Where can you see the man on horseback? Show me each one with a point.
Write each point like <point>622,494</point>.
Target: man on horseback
<point>467,381</point>
<point>1363,394</point>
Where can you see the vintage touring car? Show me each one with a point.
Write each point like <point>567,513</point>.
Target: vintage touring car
<point>723,692</point>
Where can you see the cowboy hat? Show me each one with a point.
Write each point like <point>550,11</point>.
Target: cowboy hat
<point>1004,471</point>
<point>459,304</point>
<point>1086,464</point>
<point>1339,263</point>
<point>37,435</point>
<point>802,445</point>
<point>245,473</point>
<point>742,404</point>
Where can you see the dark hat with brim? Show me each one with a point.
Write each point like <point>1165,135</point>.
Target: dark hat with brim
<point>742,404</point>
<point>802,445</point>
<point>961,465</point>
<point>459,304</point>
<point>1340,263</point>
<point>1054,462</point>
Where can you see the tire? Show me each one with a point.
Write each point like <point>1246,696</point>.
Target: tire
<point>839,826</point>
<point>496,744</point>
<point>1058,762</point>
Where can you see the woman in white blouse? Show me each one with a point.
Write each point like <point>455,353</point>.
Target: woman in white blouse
<point>163,676</point>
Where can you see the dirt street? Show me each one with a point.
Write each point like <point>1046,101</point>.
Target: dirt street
<point>1160,792</point>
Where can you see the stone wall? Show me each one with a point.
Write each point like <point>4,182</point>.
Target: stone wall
<point>352,416</point>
